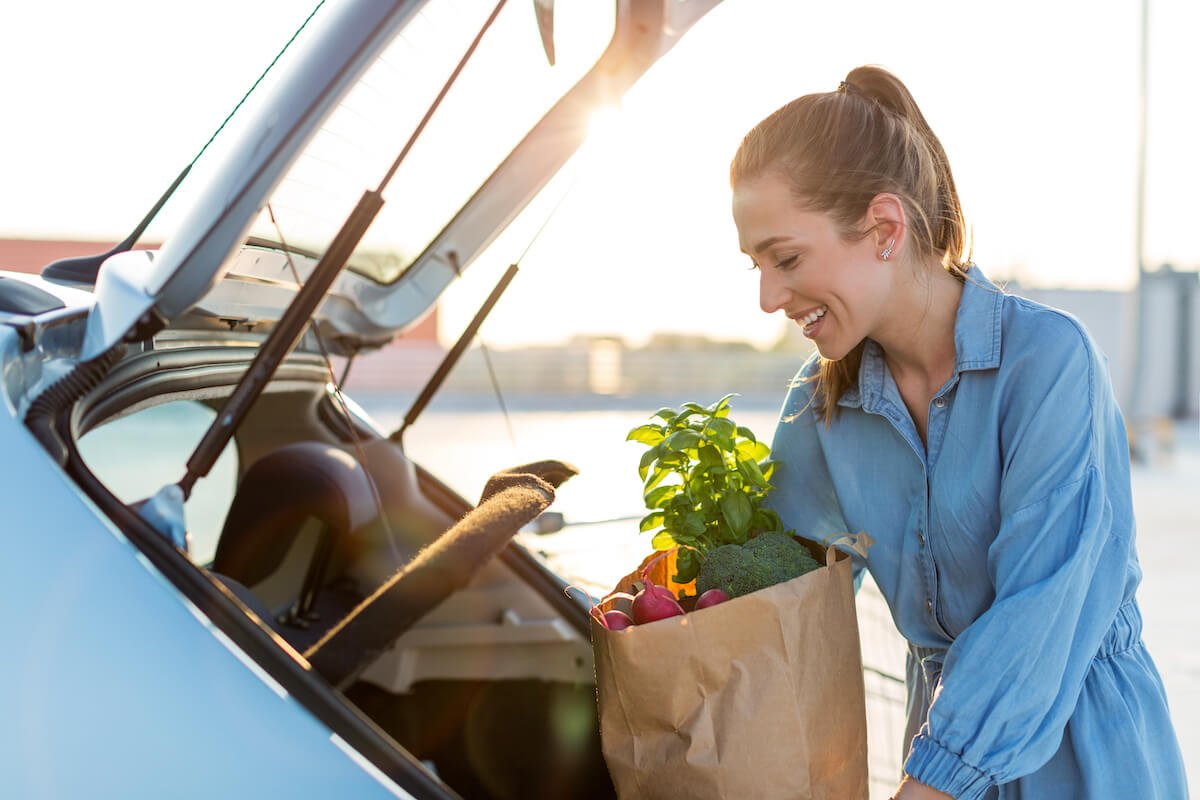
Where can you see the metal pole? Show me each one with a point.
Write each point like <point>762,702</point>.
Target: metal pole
<point>1136,409</point>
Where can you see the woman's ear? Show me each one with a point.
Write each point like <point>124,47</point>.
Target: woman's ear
<point>887,224</point>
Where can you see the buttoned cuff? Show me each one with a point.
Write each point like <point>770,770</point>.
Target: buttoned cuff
<point>939,768</point>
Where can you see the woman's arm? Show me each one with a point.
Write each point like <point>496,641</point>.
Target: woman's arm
<point>1060,569</point>
<point>803,493</point>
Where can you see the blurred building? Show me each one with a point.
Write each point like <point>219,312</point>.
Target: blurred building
<point>1171,372</point>
<point>678,365</point>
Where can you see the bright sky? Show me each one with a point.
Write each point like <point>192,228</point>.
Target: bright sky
<point>1035,103</point>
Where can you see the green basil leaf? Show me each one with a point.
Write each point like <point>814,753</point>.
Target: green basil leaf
<point>721,405</point>
<point>681,419</point>
<point>722,429</point>
<point>663,540</point>
<point>753,451</point>
<point>665,413</point>
<point>682,440</point>
<point>650,521</point>
<point>746,433</point>
<point>710,456</point>
<point>648,458</point>
<point>766,520</point>
<point>749,468</point>
<point>687,565</point>
<point>723,441</point>
<point>737,510</point>
<point>656,497</point>
<point>693,523</point>
<point>672,460</point>
<point>646,434</point>
<point>656,477</point>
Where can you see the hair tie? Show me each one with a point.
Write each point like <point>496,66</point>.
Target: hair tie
<point>845,87</point>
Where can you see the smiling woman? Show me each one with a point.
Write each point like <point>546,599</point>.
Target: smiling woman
<point>976,437</point>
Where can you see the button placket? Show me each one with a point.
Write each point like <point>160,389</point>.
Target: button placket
<point>925,557</point>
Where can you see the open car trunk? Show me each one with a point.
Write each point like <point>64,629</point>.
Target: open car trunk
<point>438,656</point>
<point>492,691</point>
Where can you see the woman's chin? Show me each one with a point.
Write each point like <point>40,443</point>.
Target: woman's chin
<point>833,350</point>
<point>830,351</point>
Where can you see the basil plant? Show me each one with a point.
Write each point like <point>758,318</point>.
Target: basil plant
<point>705,479</point>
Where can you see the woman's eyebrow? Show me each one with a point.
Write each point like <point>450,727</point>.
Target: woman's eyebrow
<point>765,243</point>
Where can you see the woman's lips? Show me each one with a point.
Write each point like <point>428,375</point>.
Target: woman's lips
<point>809,319</point>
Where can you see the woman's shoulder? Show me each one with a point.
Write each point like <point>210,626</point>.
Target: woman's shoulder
<point>1046,352</point>
<point>1046,334</point>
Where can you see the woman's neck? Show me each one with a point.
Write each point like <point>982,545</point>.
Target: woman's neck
<point>918,335</point>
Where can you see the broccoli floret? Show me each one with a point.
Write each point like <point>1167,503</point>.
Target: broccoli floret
<point>765,560</point>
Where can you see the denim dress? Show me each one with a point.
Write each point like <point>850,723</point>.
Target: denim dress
<point>1005,549</point>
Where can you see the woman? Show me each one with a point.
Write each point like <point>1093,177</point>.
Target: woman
<point>975,436</point>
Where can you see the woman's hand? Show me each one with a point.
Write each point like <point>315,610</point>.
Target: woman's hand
<point>911,789</point>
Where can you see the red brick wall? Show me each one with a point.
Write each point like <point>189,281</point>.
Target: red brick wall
<point>30,255</point>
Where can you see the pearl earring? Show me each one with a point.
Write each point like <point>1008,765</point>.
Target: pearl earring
<point>887,251</point>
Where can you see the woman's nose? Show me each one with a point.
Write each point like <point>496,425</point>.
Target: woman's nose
<point>771,292</point>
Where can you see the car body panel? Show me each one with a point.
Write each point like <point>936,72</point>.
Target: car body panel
<point>112,679</point>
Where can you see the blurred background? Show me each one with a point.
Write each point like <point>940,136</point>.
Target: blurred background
<point>1069,126</point>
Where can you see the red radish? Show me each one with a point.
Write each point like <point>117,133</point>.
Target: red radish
<point>654,602</point>
<point>650,607</point>
<point>617,620</point>
<point>711,598</point>
<point>613,619</point>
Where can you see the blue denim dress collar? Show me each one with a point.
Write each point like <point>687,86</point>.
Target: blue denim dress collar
<point>977,339</point>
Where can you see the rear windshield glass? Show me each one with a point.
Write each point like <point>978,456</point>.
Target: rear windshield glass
<point>505,88</point>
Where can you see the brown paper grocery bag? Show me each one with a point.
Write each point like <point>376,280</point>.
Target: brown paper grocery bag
<point>758,697</point>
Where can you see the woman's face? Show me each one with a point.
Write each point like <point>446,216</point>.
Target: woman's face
<point>835,290</point>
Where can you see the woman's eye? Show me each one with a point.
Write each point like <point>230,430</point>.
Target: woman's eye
<point>787,263</point>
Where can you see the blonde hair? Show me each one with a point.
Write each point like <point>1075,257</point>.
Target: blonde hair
<point>839,150</point>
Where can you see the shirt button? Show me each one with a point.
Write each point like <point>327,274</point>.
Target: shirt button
<point>921,538</point>
<point>929,604</point>
<point>940,402</point>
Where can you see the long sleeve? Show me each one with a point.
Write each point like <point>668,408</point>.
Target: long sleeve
<point>1061,566</point>
<point>804,495</point>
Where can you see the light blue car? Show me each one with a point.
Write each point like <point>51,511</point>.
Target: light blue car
<point>209,572</point>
